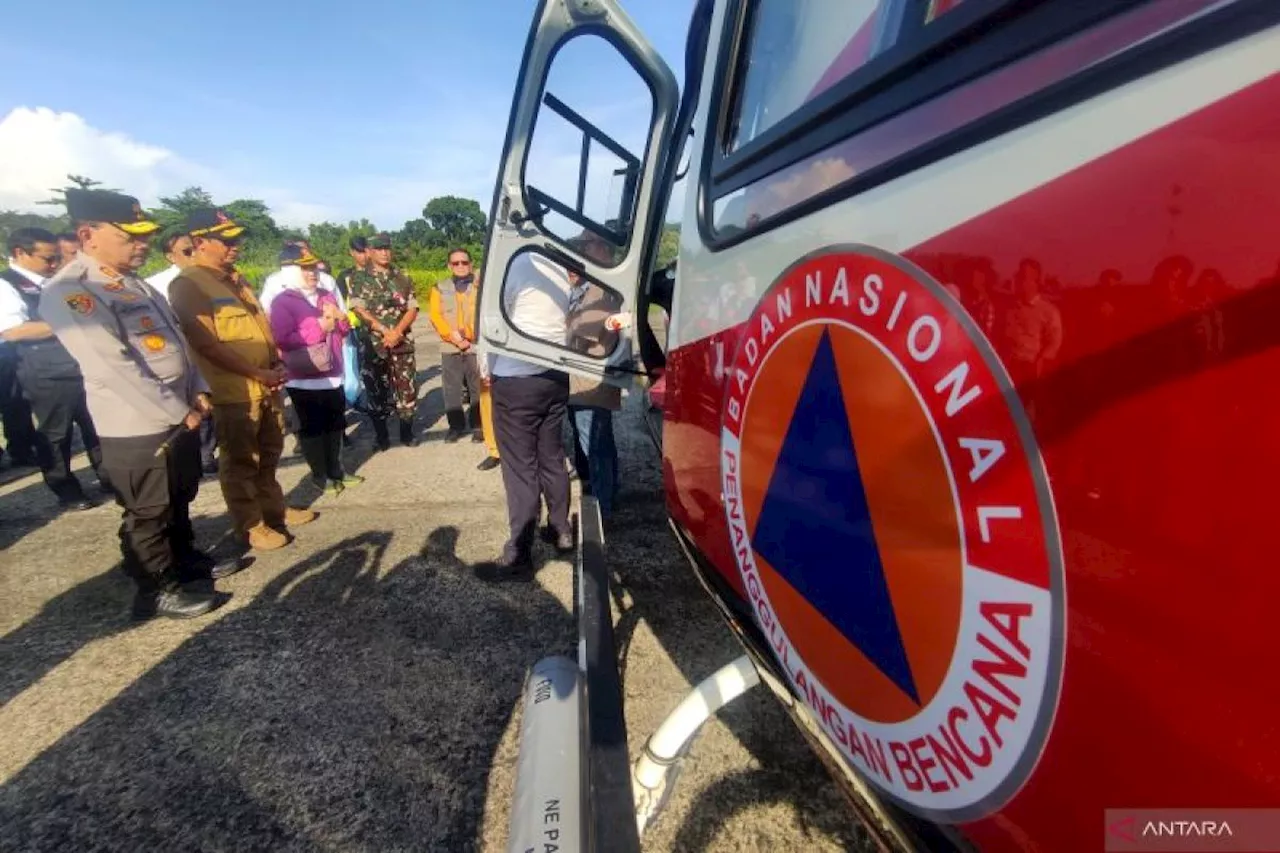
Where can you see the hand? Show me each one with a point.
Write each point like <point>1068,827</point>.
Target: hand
<point>203,404</point>
<point>331,311</point>
<point>392,338</point>
<point>327,322</point>
<point>272,377</point>
<point>465,345</point>
<point>193,419</point>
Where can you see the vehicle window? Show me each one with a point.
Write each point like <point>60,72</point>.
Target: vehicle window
<point>584,158</point>
<point>797,49</point>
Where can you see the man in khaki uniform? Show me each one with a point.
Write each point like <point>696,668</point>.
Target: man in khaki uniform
<point>237,355</point>
<point>145,395</point>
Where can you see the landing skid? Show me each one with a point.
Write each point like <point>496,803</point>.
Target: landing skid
<point>576,791</point>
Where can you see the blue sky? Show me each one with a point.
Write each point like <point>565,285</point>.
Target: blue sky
<point>326,111</point>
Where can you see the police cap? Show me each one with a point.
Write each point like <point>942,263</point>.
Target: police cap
<point>122,211</point>
<point>296,255</point>
<point>212,222</point>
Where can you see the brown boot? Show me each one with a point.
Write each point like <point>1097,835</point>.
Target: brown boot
<point>294,517</point>
<point>263,538</point>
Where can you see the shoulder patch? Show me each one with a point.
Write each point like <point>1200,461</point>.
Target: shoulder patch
<point>81,303</point>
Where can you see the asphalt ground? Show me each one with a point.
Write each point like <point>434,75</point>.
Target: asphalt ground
<point>360,691</point>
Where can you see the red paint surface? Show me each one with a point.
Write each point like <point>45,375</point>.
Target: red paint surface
<point>1160,428</point>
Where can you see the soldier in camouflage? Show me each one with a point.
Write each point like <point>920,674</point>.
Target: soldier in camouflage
<point>383,297</point>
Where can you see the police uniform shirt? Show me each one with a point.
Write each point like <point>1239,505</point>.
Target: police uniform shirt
<point>13,308</point>
<point>140,374</point>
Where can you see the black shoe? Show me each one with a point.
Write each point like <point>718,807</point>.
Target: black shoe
<point>381,438</point>
<point>407,438</point>
<point>478,436</point>
<point>175,604</point>
<point>489,464</point>
<point>508,567</point>
<point>78,505</point>
<point>452,437</point>
<point>200,565</point>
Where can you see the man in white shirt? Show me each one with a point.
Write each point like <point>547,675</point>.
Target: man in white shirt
<point>49,375</point>
<point>529,404</point>
<point>177,247</point>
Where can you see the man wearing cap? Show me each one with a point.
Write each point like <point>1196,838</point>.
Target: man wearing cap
<point>383,297</point>
<point>50,379</point>
<point>358,247</point>
<point>237,354</point>
<point>176,245</point>
<point>145,394</point>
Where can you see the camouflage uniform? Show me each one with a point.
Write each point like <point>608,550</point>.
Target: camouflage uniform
<point>388,295</point>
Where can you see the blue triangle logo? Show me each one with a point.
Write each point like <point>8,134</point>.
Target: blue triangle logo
<point>815,527</point>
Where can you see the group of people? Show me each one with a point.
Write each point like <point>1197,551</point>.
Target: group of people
<point>158,373</point>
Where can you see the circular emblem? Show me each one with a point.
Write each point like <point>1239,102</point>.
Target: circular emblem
<point>153,343</point>
<point>147,324</point>
<point>891,518</point>
<point>81,303</point>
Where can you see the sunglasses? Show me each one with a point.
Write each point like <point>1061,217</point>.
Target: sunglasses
<point>459,263</point>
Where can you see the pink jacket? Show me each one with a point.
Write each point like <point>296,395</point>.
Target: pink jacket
<point>295,322</point>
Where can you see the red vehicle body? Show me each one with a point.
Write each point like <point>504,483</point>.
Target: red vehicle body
<point>1086,221</point>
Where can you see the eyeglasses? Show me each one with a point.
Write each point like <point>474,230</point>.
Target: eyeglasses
<point>459,263</point>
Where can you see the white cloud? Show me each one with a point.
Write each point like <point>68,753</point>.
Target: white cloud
<point>40,147</point>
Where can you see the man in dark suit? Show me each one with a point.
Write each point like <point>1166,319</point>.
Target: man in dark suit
<point>50,378</point>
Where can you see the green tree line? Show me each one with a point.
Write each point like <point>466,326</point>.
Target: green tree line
<point>421,245</point>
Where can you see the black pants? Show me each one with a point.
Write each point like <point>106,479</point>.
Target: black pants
<point>208,443</point>
<point>156,494</point>
<point>59,404</point>
<point>15,411</point>
<point>322,418</point>
<point>460,376</point>
<point>528,418</point>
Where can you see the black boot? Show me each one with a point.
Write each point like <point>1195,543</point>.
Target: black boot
<point>457,425</point>
<point>407,438</point>
<point>382,441</point>
<point>313,450</point>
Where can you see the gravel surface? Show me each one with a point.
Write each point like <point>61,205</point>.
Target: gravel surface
<point>360,690</point>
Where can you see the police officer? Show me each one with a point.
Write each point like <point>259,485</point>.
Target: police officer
<point>145,394</point>
<point>49,377</point>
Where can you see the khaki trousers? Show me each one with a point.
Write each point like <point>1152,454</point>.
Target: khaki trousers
<point>486,421</point>
<point>250,443</point>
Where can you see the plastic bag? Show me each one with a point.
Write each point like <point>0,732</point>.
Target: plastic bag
<point>352,387</point>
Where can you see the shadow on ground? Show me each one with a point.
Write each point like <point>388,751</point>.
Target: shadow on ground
<point>350,705</point>
<point>653,576</point>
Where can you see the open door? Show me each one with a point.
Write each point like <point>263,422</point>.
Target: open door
<point>576,192</point>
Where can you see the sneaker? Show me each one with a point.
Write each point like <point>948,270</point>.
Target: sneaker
<point>349,480</point>
<point>173,604</point>
<point>263,538</point>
